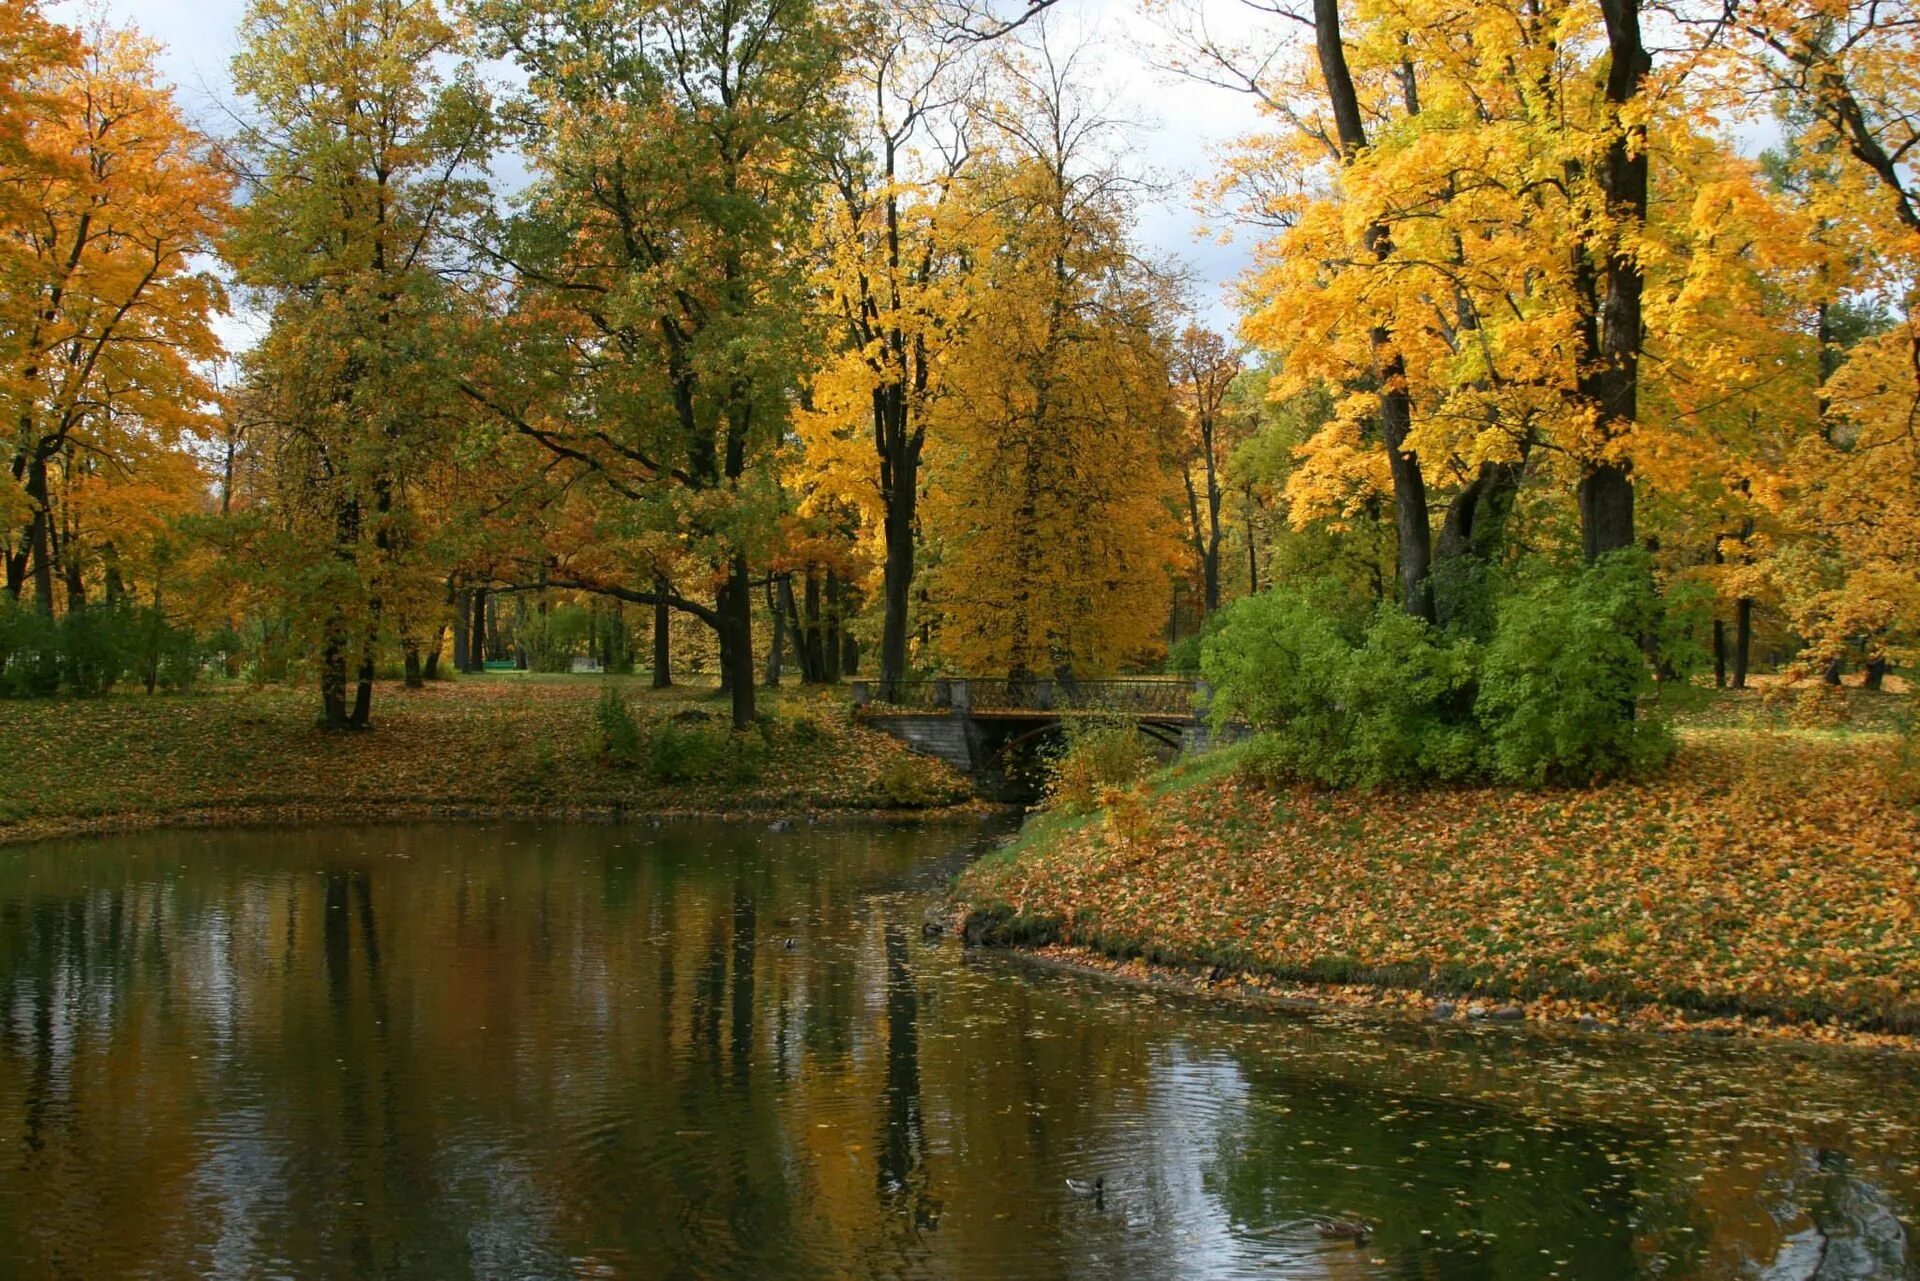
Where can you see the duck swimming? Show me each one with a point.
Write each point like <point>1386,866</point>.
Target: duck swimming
<point>1354,1230</point>
<point>1095,1191</point>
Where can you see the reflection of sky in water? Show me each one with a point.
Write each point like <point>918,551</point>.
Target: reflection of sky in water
<point>519,1052</point>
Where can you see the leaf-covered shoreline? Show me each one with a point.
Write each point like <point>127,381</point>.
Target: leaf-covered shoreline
<point>480,747</point>
<point>1763,880</point>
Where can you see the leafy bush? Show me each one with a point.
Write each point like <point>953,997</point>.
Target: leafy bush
<point>1390,703</point>
<point>616,733</point>
<point>1563,678</point>
<point>912,782</point>
<point>1098,756</point>
<point>89,651</point>
<point>1554,694</point>
<point>693,753</point>
<point>29,652</point>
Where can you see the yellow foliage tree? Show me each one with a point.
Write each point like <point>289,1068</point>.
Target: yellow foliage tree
<point>1051,503</point>
<point>104,312</point>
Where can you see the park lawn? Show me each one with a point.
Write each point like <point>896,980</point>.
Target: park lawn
<point>504,744</point>
<point>1765,876</point>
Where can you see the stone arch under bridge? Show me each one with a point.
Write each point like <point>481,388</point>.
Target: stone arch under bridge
<point>981,726</point>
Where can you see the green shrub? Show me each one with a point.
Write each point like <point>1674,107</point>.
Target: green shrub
<point>88,651</point>
<point>1393,702</point>
<point>29,652</point>
<point>679,753</point>
<point>807,732</point>
<point>1556,694</point>
<point>1563,680</point>
<point>616,733</point>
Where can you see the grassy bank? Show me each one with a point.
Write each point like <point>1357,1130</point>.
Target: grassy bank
<point>498,744</point>
<point>1770,875</point>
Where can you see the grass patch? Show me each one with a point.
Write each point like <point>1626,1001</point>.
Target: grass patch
<point>508,743</point>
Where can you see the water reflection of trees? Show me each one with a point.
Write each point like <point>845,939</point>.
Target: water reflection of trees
<point>423,1052</point>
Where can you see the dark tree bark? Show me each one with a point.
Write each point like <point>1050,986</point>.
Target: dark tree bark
<point>1612,381</point>
<point>477,639</point>
<point>1719,654</point>
<point>734,605</point>
<point>363,690</point>
<point>776,651</point>
<point>662,639</point>
<point>830,630</point>
<point>410,660</point>
<point>1472,531</point>
<point>462,619</point>
<point>1411,519</point>
<point>1831,673</point>
<point>433,652</point>
<point>40,536</point>
<point>1876,677</point>
<point>333,680</point>
<point>1253,552</point>
<point>1742,640</point>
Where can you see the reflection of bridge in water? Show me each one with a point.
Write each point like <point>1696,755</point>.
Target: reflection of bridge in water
<point>986,728</point>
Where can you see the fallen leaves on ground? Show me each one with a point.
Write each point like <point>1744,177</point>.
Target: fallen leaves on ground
<point>1766,876</point>
<point>480,744</point>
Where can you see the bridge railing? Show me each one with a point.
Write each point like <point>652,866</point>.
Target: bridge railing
<point>1133,696</point>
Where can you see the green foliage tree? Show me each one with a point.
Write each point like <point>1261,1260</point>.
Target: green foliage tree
<point>658,331</point>
<point>363,149</point>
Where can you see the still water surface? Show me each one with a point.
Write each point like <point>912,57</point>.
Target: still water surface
<point>721,1051</point>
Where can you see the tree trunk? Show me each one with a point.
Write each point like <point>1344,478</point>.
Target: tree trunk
<point>734,604</point>
<point>1411,519</point>
<point>1830,674</point>
<point>363,693</point>
<point>1471,532</point>
<point>477,639</point>
<point>812,670</point>
<point>1719,654</point>
<point>333,677</point>
<point>1742,639</point>
<point>776,650</point>
<point>797,629</point>
<point>462,620</point>
<point>433,652</point>
<point>40,536</point>
<point>830,638</point>
<point>662,640</point>
<point>898,577</point>
<point>1876,674</point>
<point>410,659</point>
<point>1253,553</point>
<point>1612,384</point>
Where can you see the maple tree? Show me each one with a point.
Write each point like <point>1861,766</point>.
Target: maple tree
<point>110,200</point>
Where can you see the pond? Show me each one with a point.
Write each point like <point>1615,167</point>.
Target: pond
<point>724,1051</point>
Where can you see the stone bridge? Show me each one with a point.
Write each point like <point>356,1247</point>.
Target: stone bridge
<point>991,730</point>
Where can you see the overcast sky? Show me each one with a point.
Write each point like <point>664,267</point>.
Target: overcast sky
<point>1176,123</point>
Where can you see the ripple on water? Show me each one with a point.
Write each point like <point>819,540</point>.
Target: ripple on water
<point>588,1052</point>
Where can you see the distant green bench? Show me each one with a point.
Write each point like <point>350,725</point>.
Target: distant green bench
<point>502,665</point>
